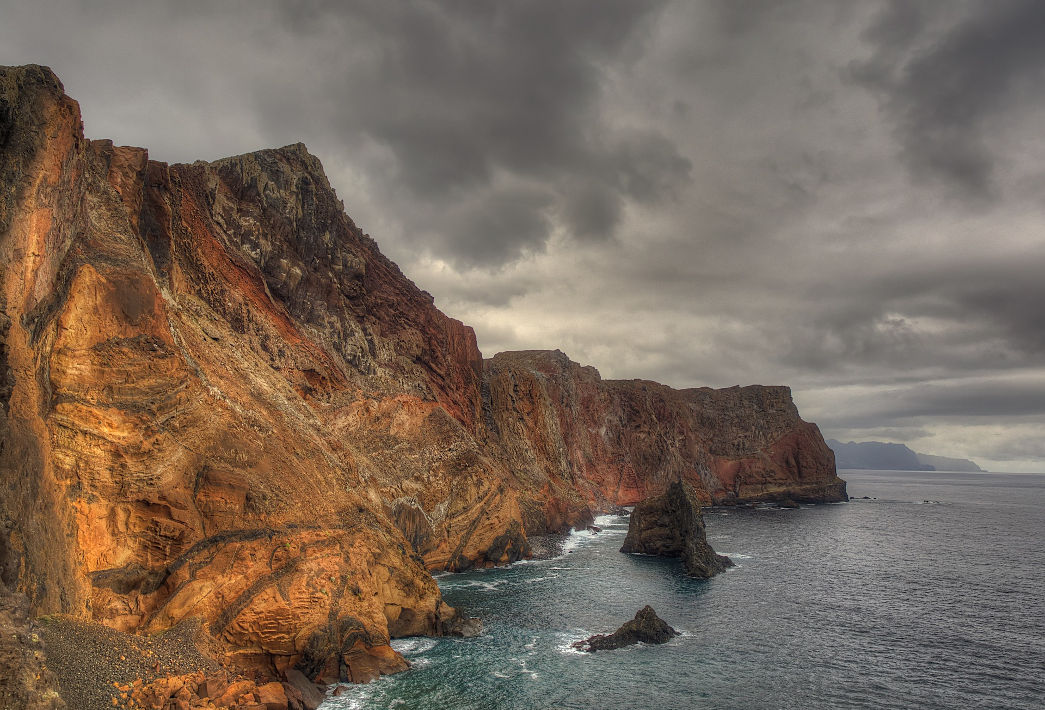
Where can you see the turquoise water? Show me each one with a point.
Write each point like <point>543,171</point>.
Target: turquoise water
<point>931,596</point>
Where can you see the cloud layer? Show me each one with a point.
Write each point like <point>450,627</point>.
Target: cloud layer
<point>847,198</point>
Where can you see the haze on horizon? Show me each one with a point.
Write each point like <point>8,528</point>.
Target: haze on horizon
<point>848,198</point>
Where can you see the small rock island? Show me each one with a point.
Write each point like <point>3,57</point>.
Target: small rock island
<point>646,627</point>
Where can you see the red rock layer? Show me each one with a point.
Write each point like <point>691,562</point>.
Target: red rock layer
<point>220,401</point>
<point>579,443</point>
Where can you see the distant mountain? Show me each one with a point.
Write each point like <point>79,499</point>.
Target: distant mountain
<point>945,463</point>
<point>893,457</point>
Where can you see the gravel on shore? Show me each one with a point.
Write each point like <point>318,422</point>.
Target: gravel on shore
<point>91,660</point>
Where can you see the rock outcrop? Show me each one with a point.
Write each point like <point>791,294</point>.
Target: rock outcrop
<point>646,627</point>
<point>671,525</point>
<point>220,401</point>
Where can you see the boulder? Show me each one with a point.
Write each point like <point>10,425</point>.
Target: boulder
<point>671,525</point>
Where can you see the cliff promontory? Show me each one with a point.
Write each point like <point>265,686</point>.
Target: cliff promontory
<point>220,402</point>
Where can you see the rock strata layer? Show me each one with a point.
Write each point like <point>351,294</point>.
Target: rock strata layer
<point>646,627</point>
<point>219,401</point>
<point>671,525</point>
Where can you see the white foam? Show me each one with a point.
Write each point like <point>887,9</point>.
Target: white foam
<point>566,641</point>
<point>524,670</point>
<point>475,583</point>
<point>575,539</point>
<point>415,644</point>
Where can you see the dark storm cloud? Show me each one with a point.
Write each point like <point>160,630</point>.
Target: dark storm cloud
<point>961,399</point>
<point>478,227</point>
<point>943,87</point>
<point>986,314</point>
<point>460,94</point>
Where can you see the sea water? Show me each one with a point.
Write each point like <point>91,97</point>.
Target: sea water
<point>929,594</point>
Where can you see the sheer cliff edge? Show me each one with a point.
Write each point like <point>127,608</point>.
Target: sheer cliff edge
<point>220,401</point>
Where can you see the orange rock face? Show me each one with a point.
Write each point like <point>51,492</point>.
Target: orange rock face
<point>219,400</point>
<point>178,421</point>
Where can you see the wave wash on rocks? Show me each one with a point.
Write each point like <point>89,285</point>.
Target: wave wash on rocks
<point>220,401</point>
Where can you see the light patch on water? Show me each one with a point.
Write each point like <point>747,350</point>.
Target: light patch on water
<point>414,644</point>
<point>566,641</point>
<point>523,670</point>
<point>473,584</point>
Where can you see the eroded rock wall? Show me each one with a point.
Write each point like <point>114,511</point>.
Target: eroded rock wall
<point>214,390</point>
<point>580,444</point>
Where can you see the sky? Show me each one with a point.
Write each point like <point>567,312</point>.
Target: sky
<point>847,198</point>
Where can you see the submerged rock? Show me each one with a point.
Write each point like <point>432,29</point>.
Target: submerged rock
<point>646,627</point>
<point>670,525</point>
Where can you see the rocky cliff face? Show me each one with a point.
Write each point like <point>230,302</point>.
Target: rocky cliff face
<point>579,443</point>
<point>218,400</point>
<point>215,392</point>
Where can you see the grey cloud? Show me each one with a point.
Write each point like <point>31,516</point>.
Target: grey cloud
<point>528,77</point>
<point>499,227</point>
<point>942,92</point>
<point>976,400</point>
<point>591,211</point>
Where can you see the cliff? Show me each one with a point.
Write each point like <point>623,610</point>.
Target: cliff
<point>947,463</point>
<point>220,401</point>
<point>579,443</point>
<point>208,372</point>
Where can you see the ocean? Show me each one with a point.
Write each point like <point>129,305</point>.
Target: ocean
<point>928,594</point>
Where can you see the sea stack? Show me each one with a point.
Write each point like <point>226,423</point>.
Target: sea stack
<point>646,627</point>
<point>671,525</point>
